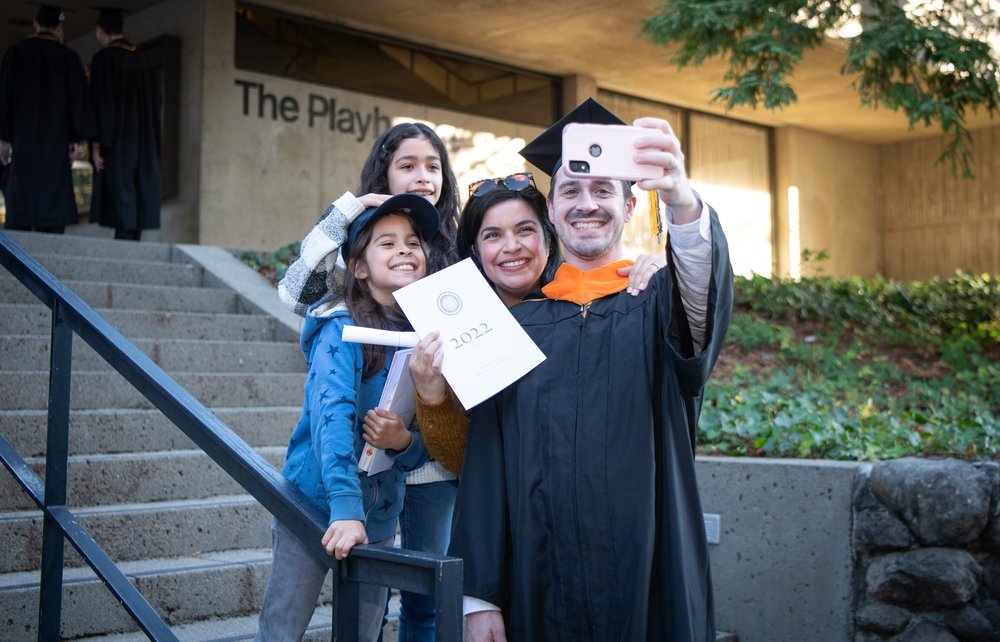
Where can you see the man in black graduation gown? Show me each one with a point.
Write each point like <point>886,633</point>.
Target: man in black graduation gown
<point>578,514</point>
<point>126,151</point>
<point>43,113</point>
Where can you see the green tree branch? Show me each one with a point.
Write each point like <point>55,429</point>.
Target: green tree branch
<point>933,63</point>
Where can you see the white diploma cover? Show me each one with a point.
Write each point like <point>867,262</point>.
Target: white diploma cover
<point>485,349</point>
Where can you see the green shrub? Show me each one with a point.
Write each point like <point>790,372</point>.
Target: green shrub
<point>271,265</point>
<point>861,369</point>
<point>960,306</point>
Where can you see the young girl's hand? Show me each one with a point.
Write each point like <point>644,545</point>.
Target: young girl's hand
<point>642,271</point>
<point>342,535</point>
<point>425,366</point>
<point>384,429</point>
<point>373,200</point>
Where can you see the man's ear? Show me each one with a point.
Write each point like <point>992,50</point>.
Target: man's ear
<point>551,209</point>
<point>629,208</point>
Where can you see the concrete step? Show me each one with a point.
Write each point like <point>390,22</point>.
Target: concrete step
<point>116,270</point>
<point>133,297</point>
<point>241,629</point>
<point>173,355</point>
<point>106,431</point>
<point>135,478</point>
<point>71,245</point>
<point>244,629</point>
<point>183,590</point>
<point>130,532</point>
<point>28,390</point>
<point>36,320</point>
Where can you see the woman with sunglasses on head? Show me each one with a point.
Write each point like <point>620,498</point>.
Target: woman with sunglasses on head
<point>406,158</point>
<point>506,230</point>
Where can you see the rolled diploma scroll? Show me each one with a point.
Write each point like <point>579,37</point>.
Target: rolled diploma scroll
<point>357,334</point>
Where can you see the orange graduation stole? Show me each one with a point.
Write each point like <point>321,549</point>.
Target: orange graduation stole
<point>572,284</point>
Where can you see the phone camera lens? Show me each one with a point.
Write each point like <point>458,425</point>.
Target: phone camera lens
<point>595,150</point>
<point>580,167</point>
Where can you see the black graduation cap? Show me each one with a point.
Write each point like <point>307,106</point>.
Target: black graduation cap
<point>49,15</point>
<point>545,152</point>
<point>110,19</point>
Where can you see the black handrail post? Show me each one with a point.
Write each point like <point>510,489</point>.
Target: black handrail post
<point>448,603</point>
<point>346,606</point>
<point>56,456</point>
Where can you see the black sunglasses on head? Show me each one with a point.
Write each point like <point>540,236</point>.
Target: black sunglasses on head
<point>514,182</point>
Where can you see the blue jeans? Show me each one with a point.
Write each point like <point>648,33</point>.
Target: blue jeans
<point>294,587</point>
<point>424,525</point>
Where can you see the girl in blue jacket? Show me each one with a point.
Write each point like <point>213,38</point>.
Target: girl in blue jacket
<point>385,250</point>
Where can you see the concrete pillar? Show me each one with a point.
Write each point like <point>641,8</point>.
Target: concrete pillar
<point>576,89</point>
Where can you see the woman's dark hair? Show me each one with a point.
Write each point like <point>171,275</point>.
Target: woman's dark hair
<point>364,309</point>
<point>475,211</point>
<point>375,180</point>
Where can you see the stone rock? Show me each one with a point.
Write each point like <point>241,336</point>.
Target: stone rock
<point>880,530</point>
<point>991,535</point>
<point>991,575</point>
<point>865,636</point>
<point>944,502</point>
<point>968,624</point>
<point>990,608</point>
<point>863,499</point>
<point>925,577</point>
<point>879,617</point>
<point>925,632</point>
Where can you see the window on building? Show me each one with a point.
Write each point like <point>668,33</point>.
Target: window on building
<point>731,161</point>
<point>272,42</point>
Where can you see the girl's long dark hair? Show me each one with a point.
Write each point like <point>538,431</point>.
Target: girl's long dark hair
<point>375,179</point>
<point>365,310</point>
<point>475,211</point>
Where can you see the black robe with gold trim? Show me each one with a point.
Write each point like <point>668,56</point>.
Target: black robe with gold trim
<point>126,101</point>
<point>578,510</point>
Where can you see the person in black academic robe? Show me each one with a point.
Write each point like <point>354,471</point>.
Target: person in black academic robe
<point>43,112</point>
<point>578,512</point>
<point>126,103</point>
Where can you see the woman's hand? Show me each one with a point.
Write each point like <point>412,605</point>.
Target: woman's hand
<point>425,366</point>
<point>342,536</point>
<point>384,429</point>
<point>642,271</point>
<point>373,200</point>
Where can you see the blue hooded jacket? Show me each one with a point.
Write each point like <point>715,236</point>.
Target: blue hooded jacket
<point>322,458</point>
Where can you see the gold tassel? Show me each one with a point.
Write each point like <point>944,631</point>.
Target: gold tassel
<point>655,219</point>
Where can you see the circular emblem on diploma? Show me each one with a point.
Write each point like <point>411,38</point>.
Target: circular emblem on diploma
<point>449,303</point>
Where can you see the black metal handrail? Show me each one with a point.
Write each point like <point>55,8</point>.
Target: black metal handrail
<point>407,570</point>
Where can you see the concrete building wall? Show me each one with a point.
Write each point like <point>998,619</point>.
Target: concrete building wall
<point>782,570</point>
<point>275,152</point>
<point>935,222</point>
<point>838,183</point>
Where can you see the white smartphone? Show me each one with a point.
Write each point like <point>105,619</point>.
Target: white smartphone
<point>604,151</point>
